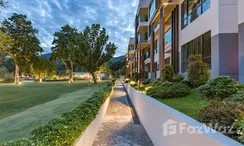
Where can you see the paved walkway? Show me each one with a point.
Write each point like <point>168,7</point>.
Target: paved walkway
<point>117,128</point>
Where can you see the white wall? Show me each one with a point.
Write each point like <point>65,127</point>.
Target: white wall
<point>221,17</point>
<point>88,136</point>
<point>240,11</point>
<point>153,114</point>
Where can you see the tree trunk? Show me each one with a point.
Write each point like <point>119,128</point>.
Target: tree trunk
<point>40,80</point>
<point>94,77</point>
<point>71,80</point>
<point>16,74</point>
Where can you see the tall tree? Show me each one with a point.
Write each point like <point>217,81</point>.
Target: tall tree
<point>94,49</point>
<point>64,43</point>
<point>22,45</point>
<point>42,67</point>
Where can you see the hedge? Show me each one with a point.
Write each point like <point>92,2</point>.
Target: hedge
<point>65,130</point>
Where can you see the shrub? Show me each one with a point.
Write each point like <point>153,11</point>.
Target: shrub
<point>221,113</point>
<point>135,77</point>
<point>143,75</point>
<point>65,130</point>
<point>127,80</point>
<point>146,81</point>
<point>239,125</point>
<point>155,81</point>
<point>133,83</point>
<point>219,88</point>
<point>198,71</point>
<point>178,78</point>
<point>9,77</point>
<point>239,96</point>
<point>169,90</point>
<point>187,83</point>
<point>167,73</point>
<point>3,72</point>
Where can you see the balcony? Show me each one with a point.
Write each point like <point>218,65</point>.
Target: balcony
<point>142,38</point>
<point>147,58</point>
<point>142,23</point>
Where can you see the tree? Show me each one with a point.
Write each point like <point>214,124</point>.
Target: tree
<point>42,67</point>
<point>2,3</point>
<point>94,49</point>
<point>198,71</point>
<point>20,41</point>
<point>64,43</point>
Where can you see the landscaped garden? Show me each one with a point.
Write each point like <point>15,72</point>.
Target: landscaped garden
<point>42,102</point>
<point>58,118</point>
<point>215,102</point>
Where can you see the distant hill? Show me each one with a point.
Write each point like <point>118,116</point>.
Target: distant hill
<point>115,63</point>
<point>48,55</point>
<point>116,59</point>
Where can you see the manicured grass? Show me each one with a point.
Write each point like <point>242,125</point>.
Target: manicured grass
<point>189,105</point>
<point>33,104</point>
<point>17,98</point>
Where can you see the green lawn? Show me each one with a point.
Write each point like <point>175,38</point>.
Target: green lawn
<point>24,107</point>
<point>189,105</point>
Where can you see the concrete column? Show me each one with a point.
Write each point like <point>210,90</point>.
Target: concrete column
<point>241,39</point>
<point>161,49</point>
<point>224,44</point>
<point>152,69</point>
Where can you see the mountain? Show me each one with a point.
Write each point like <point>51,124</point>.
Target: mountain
<point>116,59</point>
<point>48,55</point>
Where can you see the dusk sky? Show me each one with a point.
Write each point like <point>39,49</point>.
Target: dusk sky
<point>117,16</point>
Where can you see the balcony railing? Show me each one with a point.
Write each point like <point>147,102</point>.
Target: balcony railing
<point>168,36</point>
<point>142,38</point>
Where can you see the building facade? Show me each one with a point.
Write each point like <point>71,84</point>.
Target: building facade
<point>169,31</point>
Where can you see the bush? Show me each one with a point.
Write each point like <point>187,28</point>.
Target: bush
<point>221,113</point>
<point>178,78</point>
<point>133,83</point>
<point>65,130</point>
<point>155,81</point>
<point>219,88</point>
<point>169,90</point>
<point>239,96</point>
<point>187,83</point>
<point>167,73</point>
<point>3,72</point>
<point>135,77</point>
<point>9,77</point>
<point>198,71</point>
<point>239,125</point>
<point>146,81</point>
<point>127,80</point>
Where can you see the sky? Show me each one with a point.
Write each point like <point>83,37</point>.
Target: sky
<point>48,16</point>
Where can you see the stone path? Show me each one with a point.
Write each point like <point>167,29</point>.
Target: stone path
<point>117,128</point>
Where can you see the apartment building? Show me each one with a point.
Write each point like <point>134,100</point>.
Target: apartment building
<point>130,58</point>
<point>241,39</point>
<point>169,31</point>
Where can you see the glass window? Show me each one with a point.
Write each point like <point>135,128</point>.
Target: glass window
<point>155,47</point>
<point>206,48</point>
<point>190,49</point>
<point>200,45</point>
<point>192,9</point>
<point>152,8</point>
<point>168,36</point>
<point>197,45</point>
<point>205,5</point>
<point>184,58</point>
